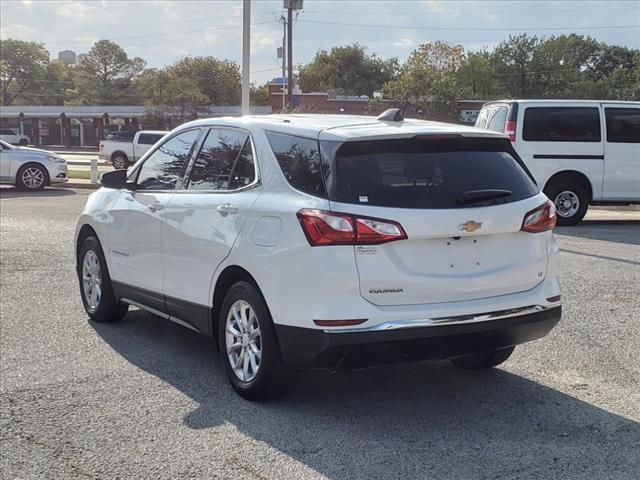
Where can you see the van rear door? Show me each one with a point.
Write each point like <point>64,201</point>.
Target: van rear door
<point>622,152</point>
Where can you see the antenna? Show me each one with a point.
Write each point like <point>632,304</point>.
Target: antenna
<point>392,115</point>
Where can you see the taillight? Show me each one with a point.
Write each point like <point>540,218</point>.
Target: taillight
<point>510,129</point>
<point>335,228</point>
<point>541,219</point>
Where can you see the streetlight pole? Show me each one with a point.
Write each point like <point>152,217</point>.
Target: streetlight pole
<point>246,50</point>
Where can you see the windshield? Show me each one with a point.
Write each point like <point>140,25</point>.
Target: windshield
<point>426,173</point>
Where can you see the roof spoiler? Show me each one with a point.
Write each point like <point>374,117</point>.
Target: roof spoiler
<point>391,115</point>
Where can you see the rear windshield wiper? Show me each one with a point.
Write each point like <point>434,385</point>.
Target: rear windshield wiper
<point>472,196</point>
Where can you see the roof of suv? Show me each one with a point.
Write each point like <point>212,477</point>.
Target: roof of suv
<point>345,127</point>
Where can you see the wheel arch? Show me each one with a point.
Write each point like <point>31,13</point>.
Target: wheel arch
<point>119,152</point>
<point>571,176</point>
<point>47,179</point>
<point>230,275</point>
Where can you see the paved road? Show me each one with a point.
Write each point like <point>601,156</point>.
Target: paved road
<point>147,399</point>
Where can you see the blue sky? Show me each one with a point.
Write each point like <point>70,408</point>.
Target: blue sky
<point>163,31</point>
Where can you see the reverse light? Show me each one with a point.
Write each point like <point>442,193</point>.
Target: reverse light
<point>510,129</point>
<point>334,228</point>
<point>541,219</point>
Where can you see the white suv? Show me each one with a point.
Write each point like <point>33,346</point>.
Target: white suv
<point>302,241</point>
<point>581,152</point>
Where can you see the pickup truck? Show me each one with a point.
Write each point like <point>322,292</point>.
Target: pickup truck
<point>122,154</point>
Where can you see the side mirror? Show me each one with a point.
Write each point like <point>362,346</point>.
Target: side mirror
<point>116,179</point>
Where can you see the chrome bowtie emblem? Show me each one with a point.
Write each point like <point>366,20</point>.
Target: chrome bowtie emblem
<point>470,226</point>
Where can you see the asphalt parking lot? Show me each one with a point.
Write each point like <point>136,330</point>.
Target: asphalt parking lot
<point>145,398</point>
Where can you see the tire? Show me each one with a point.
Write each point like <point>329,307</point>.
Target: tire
<point>571,200</point>
<point>483,360</point>
<point>105,308</point>
<point>23,142</point>
<point>120,161</point>
<point>265,376</point>
<point>32,177</point>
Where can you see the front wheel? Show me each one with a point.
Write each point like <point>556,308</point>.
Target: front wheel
<point>249,346</point>
<point>31,177</point>
<point>23,142</point>
<point>95,284</point>
<point>571,201</point>
<point>483,360</point>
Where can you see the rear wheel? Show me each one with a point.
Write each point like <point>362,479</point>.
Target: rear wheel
<point>484,359</point>
<point>249,346</point>
<point>32,177</point>
<point>95,284</point>
<point>120,161</point>
<point>571,201</point>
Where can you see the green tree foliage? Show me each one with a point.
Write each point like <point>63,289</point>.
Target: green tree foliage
<point>428,78</point>
<point>22,67</point>
<point>259,95</point>
<point>105,74</point>
<point>347,70</point>
<point>218,80</point>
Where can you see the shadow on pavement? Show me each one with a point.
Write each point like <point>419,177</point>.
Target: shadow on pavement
<point>424,420</point>
<point>12,192</point>
<point>619,231</point>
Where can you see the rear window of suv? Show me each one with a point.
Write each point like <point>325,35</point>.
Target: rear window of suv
<point>425,173</point>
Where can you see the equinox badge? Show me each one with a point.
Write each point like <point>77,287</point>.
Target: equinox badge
<point>470,226</point>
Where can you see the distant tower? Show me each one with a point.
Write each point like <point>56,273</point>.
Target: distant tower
<point>67,56</point>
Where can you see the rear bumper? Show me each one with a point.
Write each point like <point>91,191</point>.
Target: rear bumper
<point>310,348</point>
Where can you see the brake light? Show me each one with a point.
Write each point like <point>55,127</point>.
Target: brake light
<point>335,228</point>
<point>510,129</point>
<point>541,219</point>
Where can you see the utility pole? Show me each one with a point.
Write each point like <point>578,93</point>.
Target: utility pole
<point>284,58</point>
<point>289,54</point>
<point>246,51</point>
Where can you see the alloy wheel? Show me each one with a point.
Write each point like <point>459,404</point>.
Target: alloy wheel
<point>243,341</point>
<point>91,280</point>
<point>32,178</point>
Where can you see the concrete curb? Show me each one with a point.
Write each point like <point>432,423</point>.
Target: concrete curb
<point>78,184</point>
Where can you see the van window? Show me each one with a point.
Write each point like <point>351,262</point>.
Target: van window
<point>499,119</point>
<point>623,125</point>
<point>561,124</point>
<point>299,159</point>
<point>414,173</point>
<point>483,116</point>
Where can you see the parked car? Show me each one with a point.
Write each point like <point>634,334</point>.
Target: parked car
<point>124,153</point>
<point>310,241</point>
<point>13,137</point>
<point>31,168</point>
<point>581,152</point>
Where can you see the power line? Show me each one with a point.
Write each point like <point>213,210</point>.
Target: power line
<point>465,13</point>
<point>161,34</point>
<point>404,27</point>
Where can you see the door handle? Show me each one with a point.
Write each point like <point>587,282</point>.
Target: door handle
<point>155,206</point>
<point>227,209</point>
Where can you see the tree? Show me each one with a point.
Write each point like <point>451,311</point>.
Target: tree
<point>259,95</point>
<point>347,70</point>
<point>476,77</point>
<point>428,79</point>
<point>22,65</point>
<point>106,72</point>
<point>218,80</point>
<point>512,60</point>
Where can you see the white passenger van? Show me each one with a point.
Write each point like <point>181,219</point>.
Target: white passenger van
<point>581,152</point>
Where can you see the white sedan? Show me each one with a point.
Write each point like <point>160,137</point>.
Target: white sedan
<point>30,168</point>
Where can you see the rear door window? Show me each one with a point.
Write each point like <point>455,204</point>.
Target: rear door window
<point>149,138</point>
<point>299,159</point>
<point>483,117</point>
<point>225,161</point>
<point>429,174</point>
<point>623,125</point>
<point>561,124</point>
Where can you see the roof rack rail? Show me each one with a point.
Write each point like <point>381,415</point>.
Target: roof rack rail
<point>391,115</point>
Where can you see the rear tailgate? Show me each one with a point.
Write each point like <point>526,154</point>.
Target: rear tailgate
<point>457,248</point>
